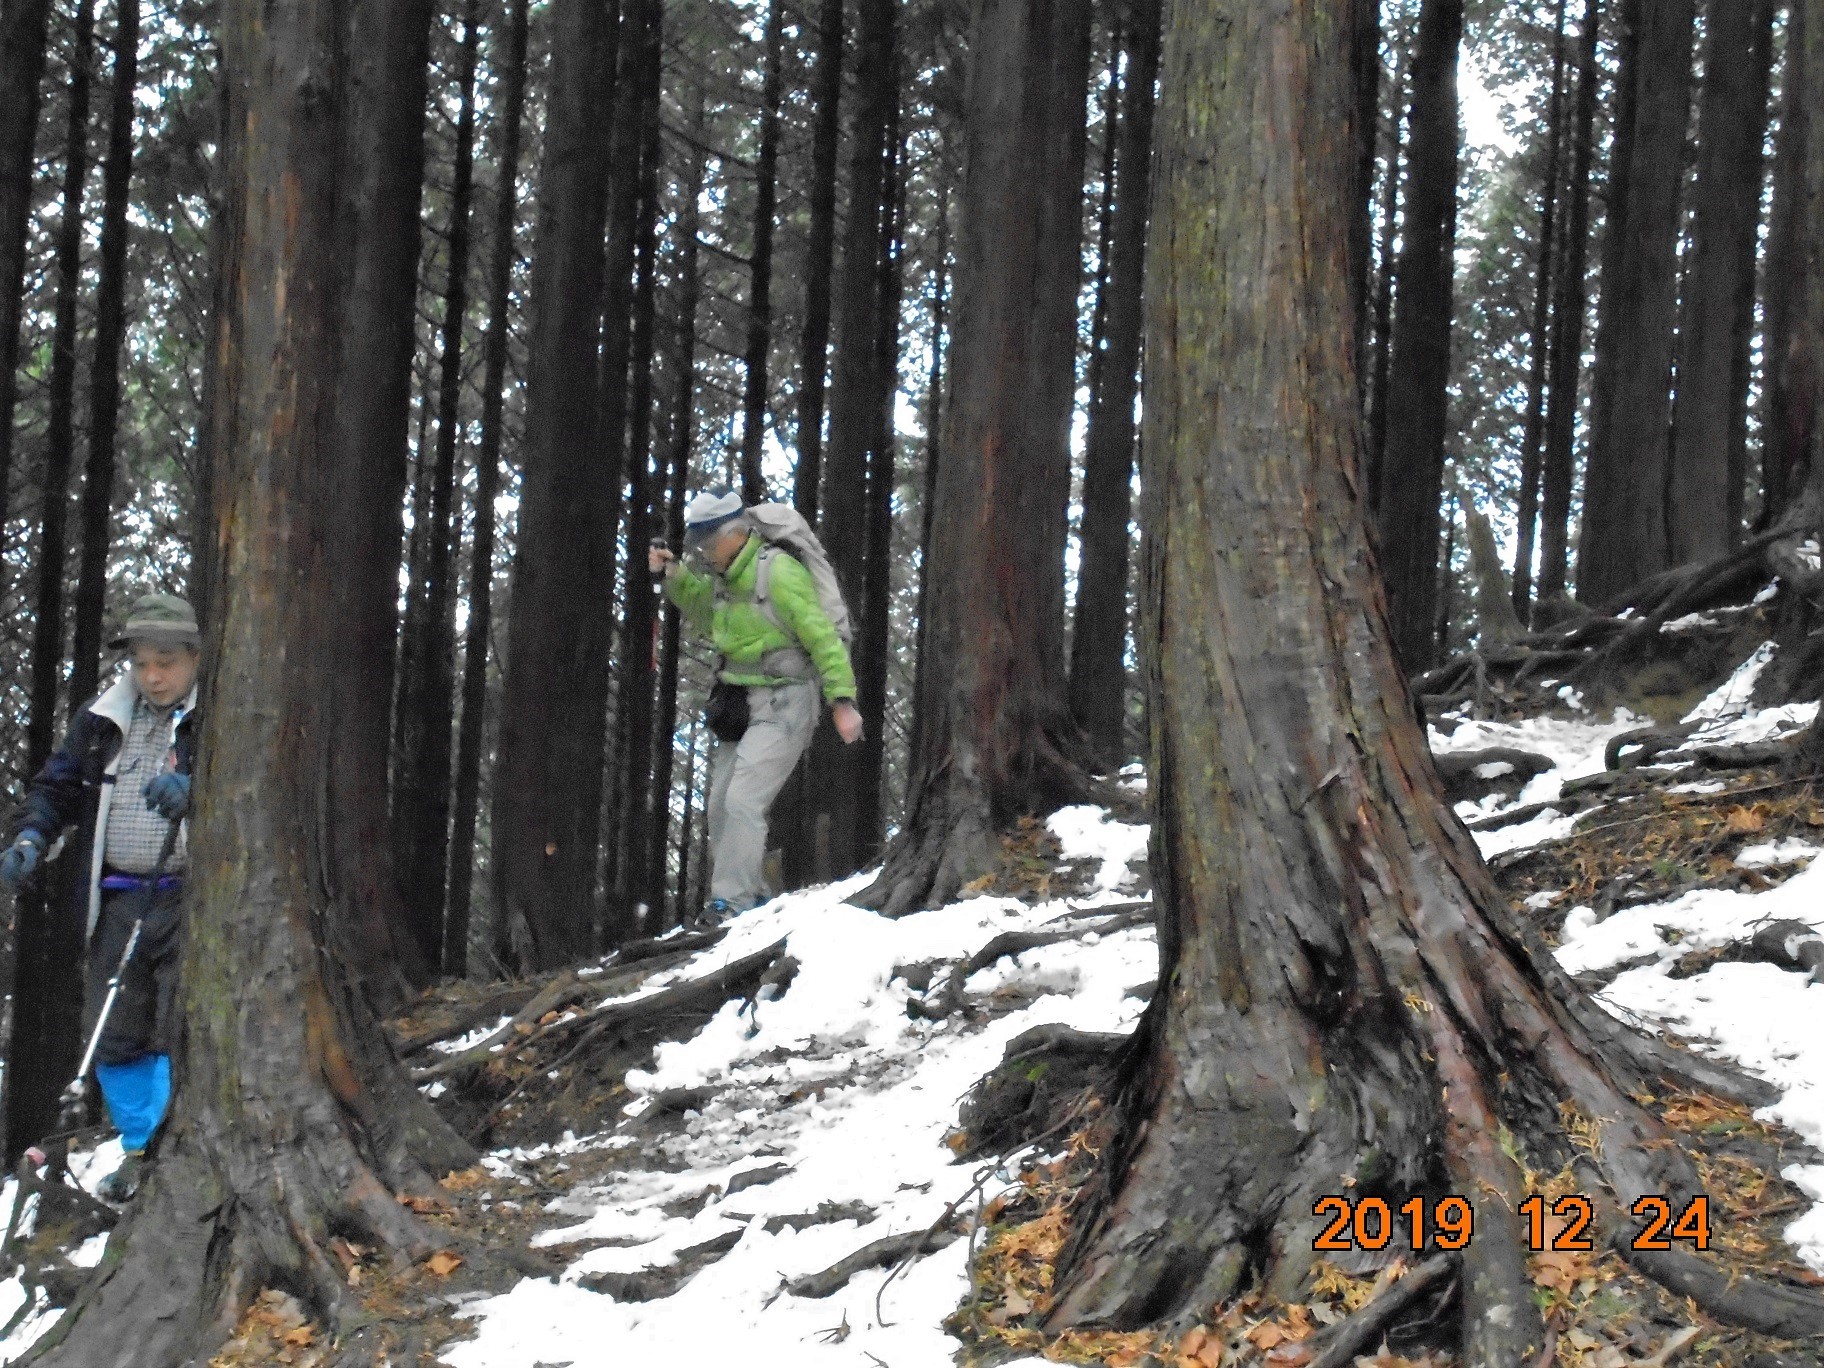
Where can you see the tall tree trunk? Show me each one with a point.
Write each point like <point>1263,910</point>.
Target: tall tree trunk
<point>1382,350</point>
<point>760,289</point>
<point>1418,398</point>
<point>1566,347</point>
<point>634,692</point>
<point>1532,440</point>
<point>60,427</point>
<point>421,797</point>
<point>1098,646</point>
<point>844,821</point>
<point>291,1124</point>
<point>1348,988</point>
<point>1794,456</point>
<point>874,639</point>
<point>683,429</point>
<point>24,31</point>
<point>47,942</point>
<point>934,412</point>
<point>1365,69</point>
<point>472,729</point>
<point>1716,326</point>
<point>104,368</point>
<point>819,259</point>
<point>1623,538</point>
<point>996,738</point>
<point>548,770</point>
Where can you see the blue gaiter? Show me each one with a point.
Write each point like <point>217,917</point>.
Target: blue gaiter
<point>137,1094</point>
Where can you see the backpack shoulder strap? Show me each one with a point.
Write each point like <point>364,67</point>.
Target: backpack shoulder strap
<point>763,585</point>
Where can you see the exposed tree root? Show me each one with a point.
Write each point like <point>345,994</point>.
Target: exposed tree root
<point>880,1254</point>
<point>1364,1329</point>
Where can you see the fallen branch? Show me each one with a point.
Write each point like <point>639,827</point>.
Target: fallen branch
<point>560,992</point>
<point>880,1254</point>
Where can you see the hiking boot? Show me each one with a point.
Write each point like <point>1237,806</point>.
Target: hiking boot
<point>120,1186</point>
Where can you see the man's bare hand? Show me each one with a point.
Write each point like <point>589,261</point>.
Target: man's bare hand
<point>658,558</point>
<point>848,721</point>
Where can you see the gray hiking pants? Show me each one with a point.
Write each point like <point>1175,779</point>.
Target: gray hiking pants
<point>746,776</point>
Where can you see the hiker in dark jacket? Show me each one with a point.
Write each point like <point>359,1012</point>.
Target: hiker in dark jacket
<point>107,799</point>
<point>776,644</point>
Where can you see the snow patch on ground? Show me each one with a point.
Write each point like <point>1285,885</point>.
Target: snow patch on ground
<point>1087,832</point>
<point>833,1080</point>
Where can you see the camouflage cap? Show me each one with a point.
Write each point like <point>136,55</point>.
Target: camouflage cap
<point>161,620</point>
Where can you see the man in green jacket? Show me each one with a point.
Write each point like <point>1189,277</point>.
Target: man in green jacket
<point>779,647</point>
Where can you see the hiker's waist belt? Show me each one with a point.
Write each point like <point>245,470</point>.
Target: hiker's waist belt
<point>126,883</point>
<point>785,665</point>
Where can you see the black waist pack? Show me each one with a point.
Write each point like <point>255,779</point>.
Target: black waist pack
<point>726,712</point>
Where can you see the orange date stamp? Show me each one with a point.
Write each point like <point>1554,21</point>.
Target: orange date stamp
<point>1449,1223</point>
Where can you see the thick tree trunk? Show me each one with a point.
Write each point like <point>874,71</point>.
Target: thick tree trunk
<point>1623,538</point>
<point>421,786</point>
<point>1365,70</point>
<point>760,288</point>
<point>1098,644</point>
<point>1418,399</point>
<point>471,729</point>
<point>996,738</point>
<point>97,505</point>
<point>286,1128</point>
<point>24,31</point>
<point>683,430</point>
<point>843,820</point>
<point>1346,994</point>
<point>1532,442</point>
<point>633,694</point>
<point>934,412</point>
<point>548,771</point>
<point>1716,326</point>
<point>819,259</point>
<point>1557,470</point>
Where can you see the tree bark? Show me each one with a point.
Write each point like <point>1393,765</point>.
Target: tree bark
<point>24,26</point>
<point>1348,991</point>
<point>1623,537</point>
<point>1098,644</point>
<point>996,739</point>
<point>421,786</point>
<point>1382,351</point>
<point>760,288</point>
<point>843,806</point>
<point>290,1124</point>
<point>548,770</point>
<point>1532,442</point>
<point>1716,327</point>
<point>1557,470</point>
<point>819,259</point>
<point>1418,399</point>
<point>487,488</point>
<point>97,505</point>
<point>1365,60</point>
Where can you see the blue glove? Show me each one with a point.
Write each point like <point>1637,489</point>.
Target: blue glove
<point>168,795</point>
<point>21,858</point>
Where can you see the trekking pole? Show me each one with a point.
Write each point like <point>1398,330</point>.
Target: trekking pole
<point>70,1103</point>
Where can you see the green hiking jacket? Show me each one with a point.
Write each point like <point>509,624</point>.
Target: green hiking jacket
<point>743,633</point>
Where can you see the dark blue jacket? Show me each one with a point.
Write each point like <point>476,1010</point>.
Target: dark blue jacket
<point>71,795</point>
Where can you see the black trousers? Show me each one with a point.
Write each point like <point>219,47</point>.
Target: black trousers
<point>144,1019</point>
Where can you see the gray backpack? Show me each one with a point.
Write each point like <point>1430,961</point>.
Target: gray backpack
<point>785,529</point>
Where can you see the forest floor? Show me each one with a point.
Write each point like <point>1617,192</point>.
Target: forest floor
<point>731,1144</point>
